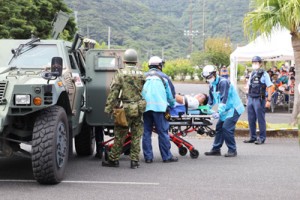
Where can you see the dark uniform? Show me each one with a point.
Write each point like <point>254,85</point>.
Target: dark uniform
<point>258,82</point>
<point>127,84</point>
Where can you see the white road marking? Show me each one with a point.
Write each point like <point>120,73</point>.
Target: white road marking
<point>86,182</point>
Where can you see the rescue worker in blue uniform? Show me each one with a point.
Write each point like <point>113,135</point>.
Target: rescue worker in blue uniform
<point>259,82</point>
<point>230,107</point>
<point>158,95</point>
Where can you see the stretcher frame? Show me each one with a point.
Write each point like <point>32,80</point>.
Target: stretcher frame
<point>179,127</point>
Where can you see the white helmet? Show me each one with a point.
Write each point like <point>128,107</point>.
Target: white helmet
<point>208,71</point>
<point>155,61</point>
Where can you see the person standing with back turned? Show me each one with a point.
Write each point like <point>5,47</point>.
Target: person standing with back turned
<point>126,88</point>
<point>258,83</point>
<point>158,95</point>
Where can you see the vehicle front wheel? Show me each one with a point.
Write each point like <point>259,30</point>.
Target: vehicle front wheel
<point>50,145</point>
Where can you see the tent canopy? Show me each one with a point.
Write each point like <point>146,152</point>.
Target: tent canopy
<point>276,47</point>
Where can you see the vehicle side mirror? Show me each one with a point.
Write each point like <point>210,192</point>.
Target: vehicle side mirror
<point>56,66</point>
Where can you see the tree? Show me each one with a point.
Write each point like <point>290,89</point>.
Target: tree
<point>268,14</point>
<point>217,52</point>
<point>169,69</point>
<point>221,45</point>
<point>20,18</point>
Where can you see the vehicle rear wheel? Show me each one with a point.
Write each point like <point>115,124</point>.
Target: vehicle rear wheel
<point>50,145</point>
<point>85,141</point>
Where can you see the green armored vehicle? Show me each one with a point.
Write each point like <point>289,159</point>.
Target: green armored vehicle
<point>50,93</point>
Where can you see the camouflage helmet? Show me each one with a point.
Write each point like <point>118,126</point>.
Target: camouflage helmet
<point>130,56</point>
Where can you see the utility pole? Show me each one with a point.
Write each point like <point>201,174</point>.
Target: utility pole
<point>87,31</point>
<point>203,25</point>
<point>76,17</point>
<point>191,28</point>
<point>108,40</point>
<point>229,30</point>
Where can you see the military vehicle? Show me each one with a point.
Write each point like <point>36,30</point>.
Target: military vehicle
<point>51,92</point>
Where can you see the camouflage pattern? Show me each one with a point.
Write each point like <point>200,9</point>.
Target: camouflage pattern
<point>130,80</point>
<point>136,129</point>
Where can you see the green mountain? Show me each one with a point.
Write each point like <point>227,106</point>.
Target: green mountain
<point>157,27</point>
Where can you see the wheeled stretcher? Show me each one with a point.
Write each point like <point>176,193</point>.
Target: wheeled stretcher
<point>181,124</point>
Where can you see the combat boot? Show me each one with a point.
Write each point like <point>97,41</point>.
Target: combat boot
<point>110,163</point>
<point>134,164</point>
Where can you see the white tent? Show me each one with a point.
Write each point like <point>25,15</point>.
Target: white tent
<point>276,47</point>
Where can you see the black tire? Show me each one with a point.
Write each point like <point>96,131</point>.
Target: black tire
<point>194,153</point>
<point>85,141</point>
<point>50,145</point>
<point>182,151</point>
<point>211,133</point>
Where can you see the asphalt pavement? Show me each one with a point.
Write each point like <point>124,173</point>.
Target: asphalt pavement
<point>269,171</point>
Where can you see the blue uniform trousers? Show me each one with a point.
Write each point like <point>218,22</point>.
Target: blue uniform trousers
<point>161,126</point>
<point>225,132</point>
<point>256,111</point>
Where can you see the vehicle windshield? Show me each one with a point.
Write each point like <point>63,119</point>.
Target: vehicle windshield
<point>38,57</point>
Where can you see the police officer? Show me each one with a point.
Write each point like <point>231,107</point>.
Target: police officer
<point>259,81</point>
<point>230,107</point>
<point>158,95</point>
<point>126,88</point>
<point>224,72</point>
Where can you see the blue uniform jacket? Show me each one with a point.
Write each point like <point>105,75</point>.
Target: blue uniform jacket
<point>224,94</point>
<point>157,96</point>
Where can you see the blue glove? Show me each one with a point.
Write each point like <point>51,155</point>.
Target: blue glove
<point>172,103</point>
<point>216,115</point>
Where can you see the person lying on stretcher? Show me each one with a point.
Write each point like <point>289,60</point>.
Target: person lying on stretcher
<point>195,105</point>
<point>192,102</point>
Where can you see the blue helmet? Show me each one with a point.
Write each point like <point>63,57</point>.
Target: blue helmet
<point>256,59</point>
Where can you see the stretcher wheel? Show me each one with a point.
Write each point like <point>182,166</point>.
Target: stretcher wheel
<point>212,133</point>
<point>194,153</point>
<point>201,131</point>
<point>183,151</point>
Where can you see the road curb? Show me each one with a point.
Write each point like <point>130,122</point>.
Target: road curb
<point>270,132</point>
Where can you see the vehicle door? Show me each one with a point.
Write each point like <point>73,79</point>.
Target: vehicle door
<point>101,66</point>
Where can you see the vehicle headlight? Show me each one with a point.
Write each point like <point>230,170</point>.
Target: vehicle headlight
<point>22,99</point>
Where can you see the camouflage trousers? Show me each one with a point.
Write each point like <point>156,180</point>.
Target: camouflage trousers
<point>136,128</point>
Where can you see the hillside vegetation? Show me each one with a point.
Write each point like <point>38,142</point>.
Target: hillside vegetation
<point>156,27</point>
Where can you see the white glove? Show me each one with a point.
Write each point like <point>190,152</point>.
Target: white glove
<point>216,115</point>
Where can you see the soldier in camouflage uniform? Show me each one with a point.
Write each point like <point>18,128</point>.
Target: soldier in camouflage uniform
<point>130,82</point>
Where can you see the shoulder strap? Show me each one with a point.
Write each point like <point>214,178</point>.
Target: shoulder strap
<point>153,73</point>
<point>260,73</point>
